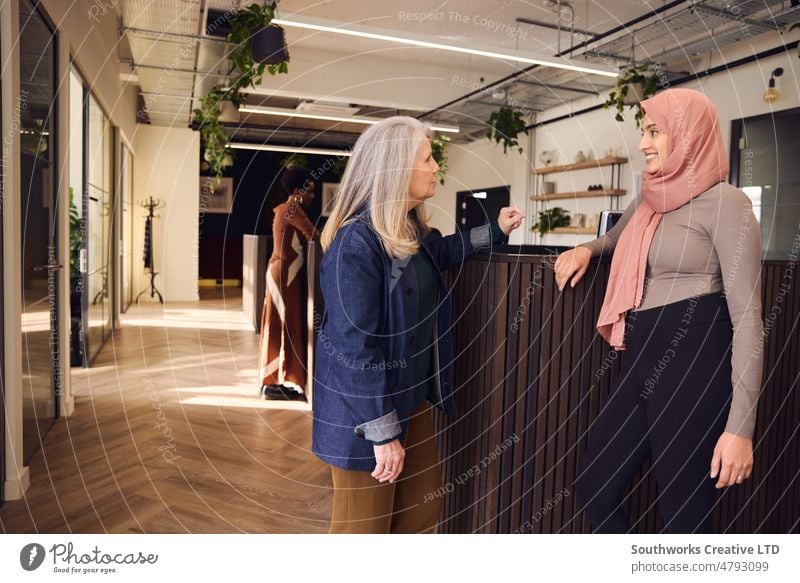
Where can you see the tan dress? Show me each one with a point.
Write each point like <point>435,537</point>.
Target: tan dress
<point>282,355</point>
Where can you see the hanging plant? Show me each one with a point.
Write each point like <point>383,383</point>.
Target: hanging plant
<point>216,153</point>
<point>246,71</point>
<point>339,166</point>
<point>633,86</point>
<point>296,160</point>
<point>438,147</point>
<point>505,125</point>
<point>33,140</point>
<point>249,24</point>
<point>550,219</point>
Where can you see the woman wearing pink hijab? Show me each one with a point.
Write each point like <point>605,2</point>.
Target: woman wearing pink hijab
<point>684,302</point>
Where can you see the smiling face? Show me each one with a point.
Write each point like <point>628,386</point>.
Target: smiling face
<point>422,185</point>
<point>654,144</point>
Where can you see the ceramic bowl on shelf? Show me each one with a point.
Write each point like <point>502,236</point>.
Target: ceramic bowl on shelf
<point>547,157</point>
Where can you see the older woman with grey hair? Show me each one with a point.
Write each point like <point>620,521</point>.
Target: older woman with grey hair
<point>384,349</point>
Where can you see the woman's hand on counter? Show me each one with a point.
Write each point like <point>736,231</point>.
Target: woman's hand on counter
<point>571,264</point>
<point>510,218</point>
<point>389,459</point>
<point>732,460</point>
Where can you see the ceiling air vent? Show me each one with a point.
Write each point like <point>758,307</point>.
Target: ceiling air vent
<point>335,109</point>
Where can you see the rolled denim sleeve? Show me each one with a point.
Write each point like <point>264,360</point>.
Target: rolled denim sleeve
<point>381,430</point>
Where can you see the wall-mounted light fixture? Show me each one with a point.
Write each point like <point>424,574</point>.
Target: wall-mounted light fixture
<point>771,95</point>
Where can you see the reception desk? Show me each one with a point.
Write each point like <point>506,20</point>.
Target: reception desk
<point>531,375</point>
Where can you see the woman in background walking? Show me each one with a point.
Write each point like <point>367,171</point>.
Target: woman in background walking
<point>282,355</point>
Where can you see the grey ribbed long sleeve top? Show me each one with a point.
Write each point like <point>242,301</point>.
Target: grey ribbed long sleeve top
<point>709,245</point>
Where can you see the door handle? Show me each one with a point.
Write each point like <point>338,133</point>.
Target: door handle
<point>46,266</point>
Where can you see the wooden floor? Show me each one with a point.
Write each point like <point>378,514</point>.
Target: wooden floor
<point>169,436</point>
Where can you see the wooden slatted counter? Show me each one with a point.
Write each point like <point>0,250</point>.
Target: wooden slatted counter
<point>531,374</point>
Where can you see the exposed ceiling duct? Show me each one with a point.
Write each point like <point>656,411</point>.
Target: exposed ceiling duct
<point>162,35</point>
<point>178,53</point>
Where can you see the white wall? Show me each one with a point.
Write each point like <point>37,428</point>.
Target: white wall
<point>167,167</point>
<point>480,164</point>
<point>737,94</point>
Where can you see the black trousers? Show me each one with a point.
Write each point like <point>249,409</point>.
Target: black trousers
<point>671,403</point>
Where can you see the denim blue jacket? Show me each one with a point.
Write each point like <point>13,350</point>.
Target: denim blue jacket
<point>363,370</point>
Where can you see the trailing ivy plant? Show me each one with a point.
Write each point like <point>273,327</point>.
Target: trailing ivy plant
<point>438,146</point>
<point>245,73</point>
<point>295,160</point>
<point>550,219</point>
<point>505,125</point>
<point>647,83</point>
<point>212,133</point>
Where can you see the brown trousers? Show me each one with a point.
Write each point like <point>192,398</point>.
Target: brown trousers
<point>410,505</point>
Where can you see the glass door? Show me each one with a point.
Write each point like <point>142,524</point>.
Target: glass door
<point>764,165</point>
<point>97,212</point>
<point>78,109</point>
<point>126,251</point>
<point>39,315</point>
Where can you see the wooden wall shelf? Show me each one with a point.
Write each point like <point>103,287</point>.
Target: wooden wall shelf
<point>580,194</point>
<point>580,165</point>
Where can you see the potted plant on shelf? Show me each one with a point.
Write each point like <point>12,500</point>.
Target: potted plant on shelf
<point>505,125</point>
<point>438,146</point>
<point>633,86</point>
<point>550,219</point>
<point>248,66</point>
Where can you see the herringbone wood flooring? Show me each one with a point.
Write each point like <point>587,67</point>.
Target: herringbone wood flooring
<point>169,436</point>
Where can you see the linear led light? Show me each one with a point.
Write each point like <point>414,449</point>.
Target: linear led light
<point>321,25</point>
<point>292,113</point>
<point>289,149</point>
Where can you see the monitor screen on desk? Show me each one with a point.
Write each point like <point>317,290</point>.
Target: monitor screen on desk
<point>607,221</point>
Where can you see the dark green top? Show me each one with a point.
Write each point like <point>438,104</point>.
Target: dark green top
<point>428,293</point>
<point>422,357</point>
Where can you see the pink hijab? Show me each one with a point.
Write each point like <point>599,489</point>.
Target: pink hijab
<point>696,162</point>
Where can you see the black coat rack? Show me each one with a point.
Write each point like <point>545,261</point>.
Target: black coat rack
<point>151,205</point>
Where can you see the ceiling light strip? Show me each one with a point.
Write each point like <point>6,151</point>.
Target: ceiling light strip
<point>360,120</point>
<point>289,149</point>
<point>516,56</point>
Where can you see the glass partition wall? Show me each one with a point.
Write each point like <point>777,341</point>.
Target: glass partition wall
<point>91,222</point>
<point>39,266</point>
<point>98,211</point>
<point>78,96</point>
<point>126,243</point>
